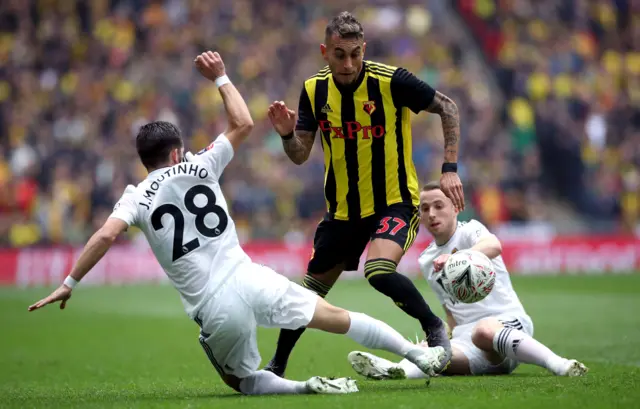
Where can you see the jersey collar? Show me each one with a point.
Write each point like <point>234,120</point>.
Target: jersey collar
<point>450,238</point>
<point>157,172</point>
<point>351,88</point>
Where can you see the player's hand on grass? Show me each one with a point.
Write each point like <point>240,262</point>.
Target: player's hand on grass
<point>210,65</point>
<point>282,118</point>
<point>62,293</point>
<point>438,263</point>
<point>452,187</point>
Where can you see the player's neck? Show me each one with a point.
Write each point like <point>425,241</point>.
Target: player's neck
<point>444,239</point>
<point>351,87</point>
<point>151,170</point>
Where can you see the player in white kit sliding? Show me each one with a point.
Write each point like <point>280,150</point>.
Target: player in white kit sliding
<point>184,216</point>
<point>491,336</point>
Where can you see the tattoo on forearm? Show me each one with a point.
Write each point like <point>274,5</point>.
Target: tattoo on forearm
<point>299,147</point>
<point>448,111</point>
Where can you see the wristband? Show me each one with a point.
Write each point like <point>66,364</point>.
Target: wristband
<point>449,167</point>
<point>220,81</point>
<point>287,136</point>
<point>70,282</point>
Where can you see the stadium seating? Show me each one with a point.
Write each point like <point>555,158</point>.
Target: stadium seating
<point>571,73</point>
<point>81,76</point>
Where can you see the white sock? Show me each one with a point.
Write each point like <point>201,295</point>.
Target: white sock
<point>374,334</point>
<point>515,344</point>
<point>267,383</point>
<point>412,371</point>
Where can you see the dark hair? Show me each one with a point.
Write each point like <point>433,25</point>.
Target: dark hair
<point>429,186</point>
<point>155,141</point>
<point>345,25</point>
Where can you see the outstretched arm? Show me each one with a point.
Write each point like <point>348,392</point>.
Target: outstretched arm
<point>96,248</point>
<point>489,245</point>
<point>479,238</point>
<point>448,111</point>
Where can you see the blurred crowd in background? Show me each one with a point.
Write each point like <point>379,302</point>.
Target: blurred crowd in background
<point>78,77</point>
<point>570,72</point>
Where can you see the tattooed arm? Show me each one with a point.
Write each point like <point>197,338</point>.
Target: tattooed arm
<point>299,146</point>
<point>449,181</point>
<point>448,111</point>
<point>409,91</point>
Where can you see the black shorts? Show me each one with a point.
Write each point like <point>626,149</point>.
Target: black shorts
<point>343,241</point>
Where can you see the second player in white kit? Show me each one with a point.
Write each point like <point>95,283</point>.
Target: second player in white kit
<point>502,304</point>
<point>182,212</point>
<point>184,216</point>
<point>491,336</point>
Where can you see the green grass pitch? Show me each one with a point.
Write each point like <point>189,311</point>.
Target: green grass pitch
<point>133,347</point>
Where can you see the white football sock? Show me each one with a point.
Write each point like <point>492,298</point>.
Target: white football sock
<point>268,383</point>
<point>515,344</point>
<point>375,334</point>
<point>411,371</point>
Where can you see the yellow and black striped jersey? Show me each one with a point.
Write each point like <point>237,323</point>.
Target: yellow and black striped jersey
<point>366,137</point>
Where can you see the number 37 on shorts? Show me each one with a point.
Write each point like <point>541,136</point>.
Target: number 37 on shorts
<point>343,241</point>
<point>385,227</point>
<point>401,228</point>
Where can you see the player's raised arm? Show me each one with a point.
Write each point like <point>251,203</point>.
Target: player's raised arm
<point>297,139</point>
<point>96,248</point>
<point>211,66</point>
<point>418,96</point>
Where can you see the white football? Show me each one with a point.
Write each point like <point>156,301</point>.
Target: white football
<point>468,276</point>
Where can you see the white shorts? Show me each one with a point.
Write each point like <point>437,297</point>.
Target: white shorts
<point>478,362</point>
<point>253,296</point>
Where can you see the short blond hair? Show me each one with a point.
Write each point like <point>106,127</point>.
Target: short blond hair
<point>433,185</point>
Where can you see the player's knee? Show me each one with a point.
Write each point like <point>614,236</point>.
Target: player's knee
<point>482,335</point>
<point>317,283</point>
<point>330,318</point>
<point>320,277</point>
<point>335,313</point>
<point>381,248</point>
<point>376,268</point>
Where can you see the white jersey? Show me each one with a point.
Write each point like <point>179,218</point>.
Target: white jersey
<point>502,299</point>
<point>184,216</point>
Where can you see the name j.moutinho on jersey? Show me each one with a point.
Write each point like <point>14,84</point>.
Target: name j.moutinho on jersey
<point>181,169</point>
